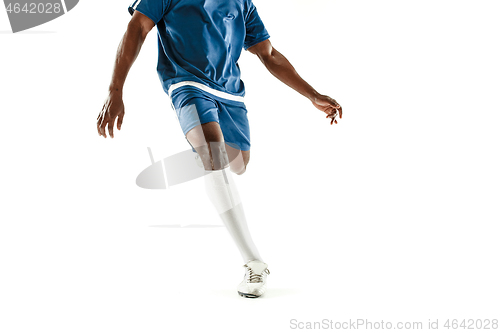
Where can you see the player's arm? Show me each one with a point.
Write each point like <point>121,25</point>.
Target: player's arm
<point>128,50</point>
<point>281,68</point>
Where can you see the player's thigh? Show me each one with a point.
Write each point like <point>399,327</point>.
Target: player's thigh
<point>208,132</point>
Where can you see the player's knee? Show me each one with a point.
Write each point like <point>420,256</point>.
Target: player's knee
<point>238,168</point>
<point>238,162</point>
<point>240,171</point>
<point>204,154</point>
<point>219,156</point>
<point>213,156</point>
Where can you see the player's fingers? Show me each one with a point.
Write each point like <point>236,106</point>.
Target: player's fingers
<point>338,108</point>
<point>120,120</point>
<point>111,125</point>
<point>100,113</point>
<point>336,105</point>
<point>98,125</point>
<point>102,127</point>
<point>331,116</point>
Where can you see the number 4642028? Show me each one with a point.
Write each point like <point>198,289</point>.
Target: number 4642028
<point>34,8</point>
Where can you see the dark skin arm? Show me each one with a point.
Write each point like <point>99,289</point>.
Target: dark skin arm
<point>128,50</point>
<point>281,68</point>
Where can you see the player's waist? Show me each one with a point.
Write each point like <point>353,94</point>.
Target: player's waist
<point>210,90</point>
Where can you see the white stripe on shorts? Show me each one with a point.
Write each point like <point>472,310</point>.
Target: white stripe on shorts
<point>205,88</point>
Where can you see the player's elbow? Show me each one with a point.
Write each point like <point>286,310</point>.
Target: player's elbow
<point>266,58</point>
<point>272,59</point>
<point>263,50</point>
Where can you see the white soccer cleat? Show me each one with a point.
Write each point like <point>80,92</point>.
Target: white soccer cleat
<point>254,282</point>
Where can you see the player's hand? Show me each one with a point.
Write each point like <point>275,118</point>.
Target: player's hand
<point>113,108</point>
<point>329,106</point>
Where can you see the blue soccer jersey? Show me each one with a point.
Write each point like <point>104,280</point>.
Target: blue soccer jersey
<point>200,41</point>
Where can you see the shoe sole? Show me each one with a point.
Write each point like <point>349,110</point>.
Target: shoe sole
<point>247,295</point>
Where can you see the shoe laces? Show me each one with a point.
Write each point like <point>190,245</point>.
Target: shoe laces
<point>254,277</point>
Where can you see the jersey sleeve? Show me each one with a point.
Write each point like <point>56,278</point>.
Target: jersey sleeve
<point>154,9</point>
<point>255,30</point>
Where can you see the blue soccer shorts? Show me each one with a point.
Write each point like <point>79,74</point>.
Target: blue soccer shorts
<point>195,107</point>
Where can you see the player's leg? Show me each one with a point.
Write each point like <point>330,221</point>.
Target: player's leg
<point>234,123</point>
<point>238,159</point>
<point>208,141</point>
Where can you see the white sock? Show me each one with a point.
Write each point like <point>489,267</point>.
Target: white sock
<point>222,192</point>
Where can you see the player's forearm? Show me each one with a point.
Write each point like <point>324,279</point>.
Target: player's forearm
<point>128,50</point>
<point>282,69</point>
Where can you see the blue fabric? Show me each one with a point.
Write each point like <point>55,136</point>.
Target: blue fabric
<point>202,40</point>
<point>195,107</point>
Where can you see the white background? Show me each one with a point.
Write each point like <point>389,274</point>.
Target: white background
<point>392,214</point>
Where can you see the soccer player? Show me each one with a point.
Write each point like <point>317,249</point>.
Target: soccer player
<point>199,44</point>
